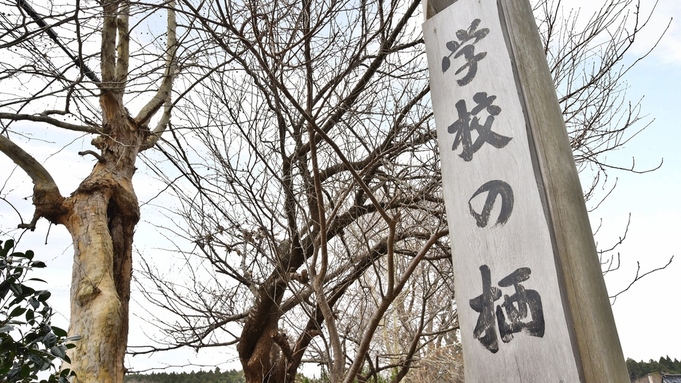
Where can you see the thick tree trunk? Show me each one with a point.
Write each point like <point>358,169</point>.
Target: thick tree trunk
<point>100,289</point>
<point>102,214</point>
<point>257,351</point>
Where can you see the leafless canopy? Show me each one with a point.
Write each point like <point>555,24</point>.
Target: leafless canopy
<point>309,181</point>
<point>302,156</point>
<point>589,56</point>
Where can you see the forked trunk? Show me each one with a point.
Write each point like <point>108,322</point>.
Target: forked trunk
<point>102,214</point>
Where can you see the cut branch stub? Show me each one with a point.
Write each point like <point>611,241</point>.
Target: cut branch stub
<point>47,199</point>
<point>99,158</point>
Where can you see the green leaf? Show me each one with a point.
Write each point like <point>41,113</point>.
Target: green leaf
<point>17,311</point>
<point>18,271</point>
<point>18,254</point>
<point>16,289</point>
<point>25,371</point>
<point>44,295</point>
<point>9,244</point>
<point>30,315</point>
<point>58,331</point>
<point>4,287</point>
<point>59,351</point>
<point>50,340</point>
<point>38,345</point>
<point>27,290</point>
<point>32,337</point>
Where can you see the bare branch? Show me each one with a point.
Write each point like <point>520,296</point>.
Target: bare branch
<point>93,153</point>
<point>49,120</point>
<point>50,32</point>
<point>163,95</point>
<point>46,196</point>
<point>638,277</point>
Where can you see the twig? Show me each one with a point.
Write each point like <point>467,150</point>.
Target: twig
<point>639,276</point>
<point>99,158</point>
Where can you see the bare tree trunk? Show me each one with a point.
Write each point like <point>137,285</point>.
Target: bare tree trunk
<point>100,289</point>
<point>101,218</point>
<point>101,214</point>
<point>258,353</point>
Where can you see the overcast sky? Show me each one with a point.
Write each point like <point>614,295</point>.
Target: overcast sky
<point>647,315</point>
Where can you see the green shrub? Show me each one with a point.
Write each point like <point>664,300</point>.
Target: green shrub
<point>28,342</point>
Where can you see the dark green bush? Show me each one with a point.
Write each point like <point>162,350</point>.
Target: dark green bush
<point>28,342</point>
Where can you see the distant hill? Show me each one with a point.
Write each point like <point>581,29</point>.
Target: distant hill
<point>216,376</point>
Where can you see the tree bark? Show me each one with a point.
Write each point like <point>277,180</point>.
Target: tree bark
<point>102,213</point>
<point>100,289</point>
<point>256,350</point>
<point>101,218</point>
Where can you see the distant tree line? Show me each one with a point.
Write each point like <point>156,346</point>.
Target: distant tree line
<point>664,365</point>
<point>636,370</point>
<point>215,376</point>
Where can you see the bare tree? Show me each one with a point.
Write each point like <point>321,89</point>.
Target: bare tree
<point>307,179</point>
<point>310,185</point>
<point>50,52</point>
<point>589,56</point>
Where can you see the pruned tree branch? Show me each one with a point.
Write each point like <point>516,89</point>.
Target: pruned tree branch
<point>46,196</point>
